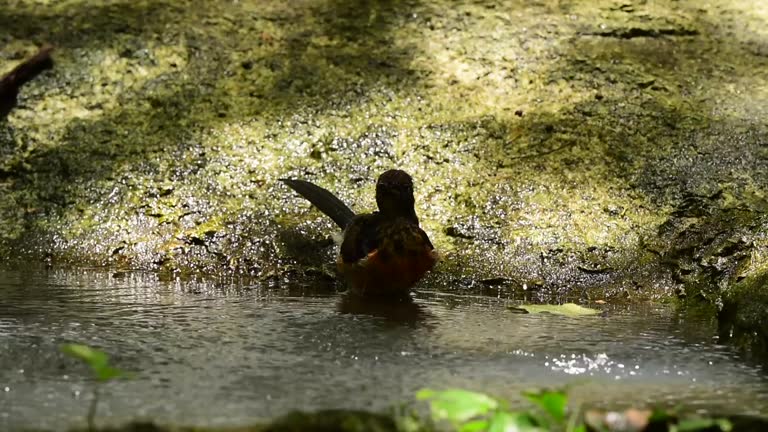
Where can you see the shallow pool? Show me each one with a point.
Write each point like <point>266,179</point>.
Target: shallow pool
<point>230,353</point>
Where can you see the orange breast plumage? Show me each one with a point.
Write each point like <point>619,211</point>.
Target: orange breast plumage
<point>394,276</point>
<point>403,256</point>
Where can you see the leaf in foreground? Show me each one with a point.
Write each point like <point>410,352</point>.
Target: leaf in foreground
<point>553,403</point>
<point>457,406</point>
<point>96,359</point>
<point>513,422</point>
<point>695,425</point>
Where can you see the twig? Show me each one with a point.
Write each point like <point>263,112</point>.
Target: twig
<point>92,409</point>
<point>21,74</point>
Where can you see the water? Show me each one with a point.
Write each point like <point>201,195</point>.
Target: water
<point>207,354</point>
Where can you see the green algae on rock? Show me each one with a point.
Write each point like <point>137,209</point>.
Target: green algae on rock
<point>558,147</point>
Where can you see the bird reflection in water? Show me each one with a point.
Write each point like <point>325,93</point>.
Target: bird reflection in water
<point>401,310</point>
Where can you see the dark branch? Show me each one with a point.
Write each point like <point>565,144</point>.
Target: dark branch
<point>21,74</point>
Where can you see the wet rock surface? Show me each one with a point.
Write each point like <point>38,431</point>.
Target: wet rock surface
<point>568,150</point>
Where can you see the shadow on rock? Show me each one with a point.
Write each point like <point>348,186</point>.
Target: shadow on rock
<point>743,319</point>
<point>144,152</point>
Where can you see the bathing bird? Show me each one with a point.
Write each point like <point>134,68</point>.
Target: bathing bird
<point>384,253</point>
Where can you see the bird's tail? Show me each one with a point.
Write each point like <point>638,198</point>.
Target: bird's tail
<point>324,200</point>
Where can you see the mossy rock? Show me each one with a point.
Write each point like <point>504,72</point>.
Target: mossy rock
<point>743,319</point>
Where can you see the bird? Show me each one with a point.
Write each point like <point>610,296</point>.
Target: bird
<point>384,253</point>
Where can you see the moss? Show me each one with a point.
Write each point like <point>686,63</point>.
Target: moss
<point>744,316</point>
<point>561,150</point>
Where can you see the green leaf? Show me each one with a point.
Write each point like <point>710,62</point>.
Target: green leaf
<point>513,422</point>
<point>699,424</point>
<point>553,403</point>
<point>107,373</point>
<point>457,406</point>
<point>660,416</point>
<point>725,425</point>
<point>474,426</point>
<point>568,309</point>
<point>92,357</point>
<point>425,394</point>
<point>96,359</point>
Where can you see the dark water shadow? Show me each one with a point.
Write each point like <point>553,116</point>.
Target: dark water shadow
<point>743,318</point>
<point>397,311</point>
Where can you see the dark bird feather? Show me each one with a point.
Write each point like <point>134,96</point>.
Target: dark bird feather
<point>324,200</point>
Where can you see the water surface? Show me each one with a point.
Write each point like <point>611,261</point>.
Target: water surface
<point>228,354</point>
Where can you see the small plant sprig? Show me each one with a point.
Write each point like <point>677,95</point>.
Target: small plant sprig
<point>102,372</point>
<point>468,411</point>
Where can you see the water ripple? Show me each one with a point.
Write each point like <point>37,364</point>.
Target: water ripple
<point>213,354</point>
